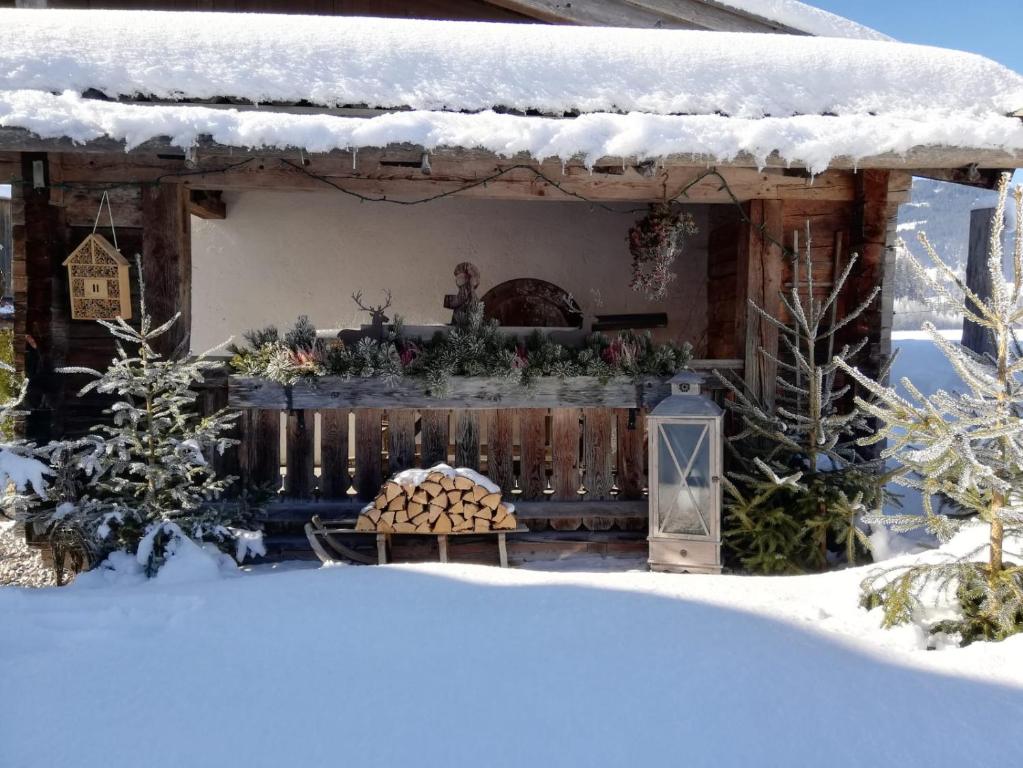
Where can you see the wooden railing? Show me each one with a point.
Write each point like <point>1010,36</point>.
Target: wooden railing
<point>576,440</point>
<point>558,454</point>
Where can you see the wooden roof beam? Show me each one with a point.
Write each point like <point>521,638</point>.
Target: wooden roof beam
<point>646,14</point>
<point>916,159</point>
<point>593,13</point>
<point>207,204</point>
<point>707,14</point>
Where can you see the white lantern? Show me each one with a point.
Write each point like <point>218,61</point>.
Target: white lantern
<point>685,480</point>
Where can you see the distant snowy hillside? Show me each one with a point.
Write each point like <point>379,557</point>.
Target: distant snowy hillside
<point>942,211</point>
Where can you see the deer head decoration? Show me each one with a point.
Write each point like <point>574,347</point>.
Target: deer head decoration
<point>376,313</point>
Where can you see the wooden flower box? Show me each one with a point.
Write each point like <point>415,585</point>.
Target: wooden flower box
<point>461,392</point>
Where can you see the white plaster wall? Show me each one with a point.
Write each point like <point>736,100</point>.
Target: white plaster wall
<point>278,255</point>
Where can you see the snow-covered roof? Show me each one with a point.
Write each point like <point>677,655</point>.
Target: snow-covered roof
<point>547,90</point>
<point>803,17</point>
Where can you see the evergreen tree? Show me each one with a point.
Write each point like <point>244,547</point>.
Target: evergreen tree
<point>148,472</point>
<point>797,485</point>
<point>967,446</point>
<point>23,477</point>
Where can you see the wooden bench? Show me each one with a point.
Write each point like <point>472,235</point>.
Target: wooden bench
<point>322,539</point>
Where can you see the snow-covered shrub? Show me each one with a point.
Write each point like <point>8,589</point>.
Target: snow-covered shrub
<point>796,486</point>
<point>23,477</point>
<point>127,481</point>
<point>966,446</point>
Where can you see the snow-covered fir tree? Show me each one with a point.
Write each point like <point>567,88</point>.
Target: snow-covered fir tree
<point>23,477</point>
<point>147,474</point>
<point>966,446</point>
<point>797,484</point>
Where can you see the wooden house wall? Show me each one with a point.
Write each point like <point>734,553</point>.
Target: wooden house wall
<point>152,220</point>
<point>6,246</point>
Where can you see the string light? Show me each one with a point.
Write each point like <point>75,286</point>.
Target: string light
<point>683,193</point>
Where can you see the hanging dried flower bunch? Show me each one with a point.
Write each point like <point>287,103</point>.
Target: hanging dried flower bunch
<point>655,242</point>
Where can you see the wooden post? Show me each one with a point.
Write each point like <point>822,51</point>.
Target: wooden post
<point>39,235</point>
<point>978,279</point>
<point>167,263</point>
<point>760,281</point>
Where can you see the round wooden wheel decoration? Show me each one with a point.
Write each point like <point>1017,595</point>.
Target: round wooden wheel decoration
<point>529,302</point>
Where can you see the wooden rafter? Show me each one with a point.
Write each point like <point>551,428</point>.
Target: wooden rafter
<point>646,14</point>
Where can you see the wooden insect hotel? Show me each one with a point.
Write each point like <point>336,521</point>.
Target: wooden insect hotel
<point>98,281</point>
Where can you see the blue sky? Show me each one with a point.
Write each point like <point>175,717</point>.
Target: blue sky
<point>993,28</point>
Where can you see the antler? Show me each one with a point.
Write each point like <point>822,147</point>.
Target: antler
<point>377,310</point>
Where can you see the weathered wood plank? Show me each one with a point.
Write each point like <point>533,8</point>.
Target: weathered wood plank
<point>368,444</point>
<point>598,453</point>
<point>260,454</point>
<point>299,478</point>
<point>82,204</point>
<point>463,392</point>
<point>565,433</point>
<point>334,478</point>
<point>532,452</point>
<point>630,453</point>
<point>467,439</point>
<point>401,439</point>
<point>434,436</point>
<point>978,279</point>
<point>500,447</point>
<point>210,401</point>
<point>167,264</point>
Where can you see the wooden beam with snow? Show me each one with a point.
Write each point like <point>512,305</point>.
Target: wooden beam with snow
<point>917,158</point>
<point>375,177</point>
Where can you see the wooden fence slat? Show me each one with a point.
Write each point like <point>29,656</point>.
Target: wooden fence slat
<point>212,400</point>
<point>434,436</point>
<point>565,432</point>
<point>368,471</point>
<point>467,439</point>
<point>631,451</point>
<point>300,479</point>
<point>532,452</point>
<point>500,447</point>
<point>401,439</point>
<point>334,454</point>
<point>598,456</point>
<point>260,454</point>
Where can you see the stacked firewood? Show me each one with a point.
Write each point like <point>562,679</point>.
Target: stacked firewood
<point>440,504</point>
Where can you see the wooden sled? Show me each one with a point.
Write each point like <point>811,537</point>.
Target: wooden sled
<point>329,548</point>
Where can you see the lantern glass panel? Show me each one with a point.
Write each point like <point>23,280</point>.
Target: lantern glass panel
<point>684,494</point>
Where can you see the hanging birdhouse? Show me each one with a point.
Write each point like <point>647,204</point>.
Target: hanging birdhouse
<point>98,277</point>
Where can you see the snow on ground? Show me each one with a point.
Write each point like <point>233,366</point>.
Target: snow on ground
<point>643,93</point>
<point>452,665</point>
